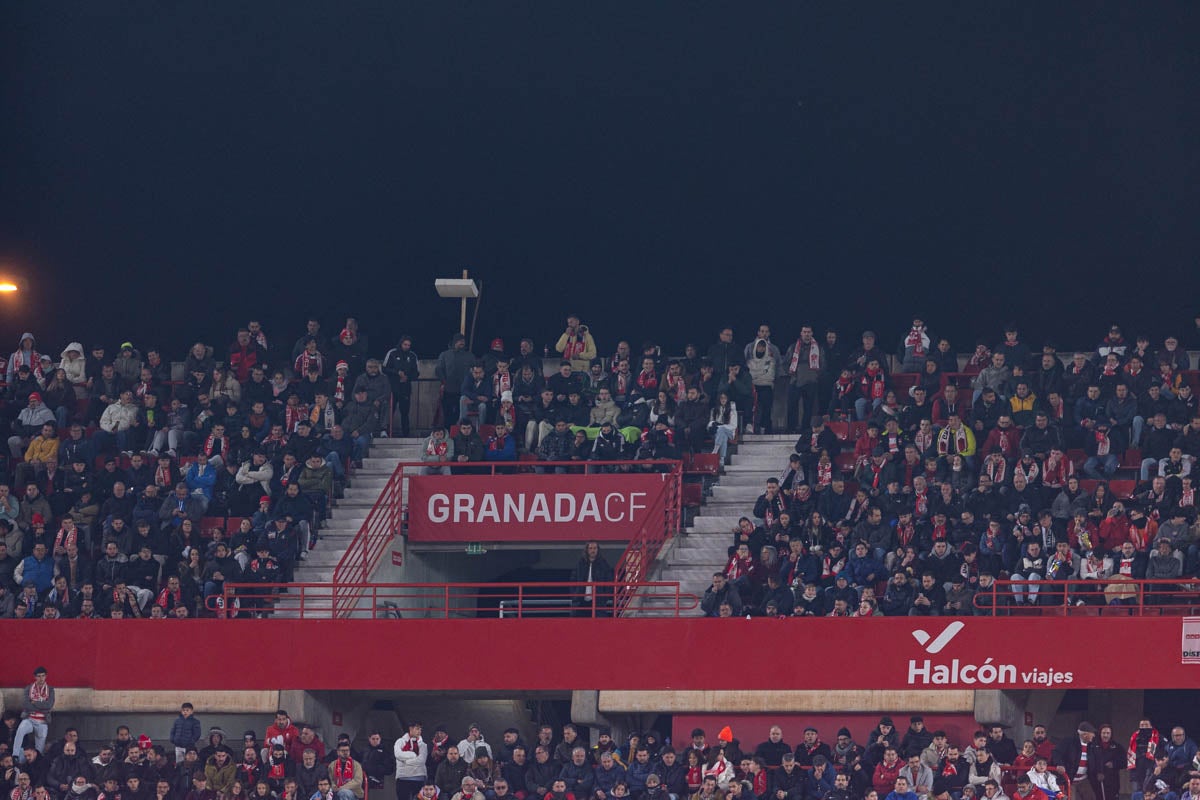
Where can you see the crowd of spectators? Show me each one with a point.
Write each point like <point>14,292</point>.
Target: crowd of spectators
<point>114,471</point>
<point>635,406</point>
<point>291,762</point>
<point>915,491</point>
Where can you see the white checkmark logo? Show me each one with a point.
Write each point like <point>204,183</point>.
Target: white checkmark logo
<point>943,639</point>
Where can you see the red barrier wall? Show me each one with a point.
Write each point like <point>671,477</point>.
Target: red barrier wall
<point>563,654</point>
<point>751,729</point>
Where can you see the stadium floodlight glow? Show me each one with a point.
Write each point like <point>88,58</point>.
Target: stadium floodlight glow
<point>8,286</point>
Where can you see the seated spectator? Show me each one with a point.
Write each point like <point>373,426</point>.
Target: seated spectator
<point>30,422</point>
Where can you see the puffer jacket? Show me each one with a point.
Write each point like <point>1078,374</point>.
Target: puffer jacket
<point>603,412</point>
<point>119,417</point>
<point>76,369</point>
<point>764,368</point>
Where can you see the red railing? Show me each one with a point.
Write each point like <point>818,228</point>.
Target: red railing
<point>635,563</point>
<point>455,600</point>
<point>386,518</point>
<point>1114,596</point>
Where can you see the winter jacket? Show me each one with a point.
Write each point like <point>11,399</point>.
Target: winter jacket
<point>118,417</point>
<point>410,758</point>
<point>359,417</point>
<point>453,367</point>
<point>804,374</point>
<point>220,779</point>
<point>765,368</point>
<point>449,776</point>
<point>76,368</point>
<point>30,421</point>
<point>376,386</point>
<point>249,474</point>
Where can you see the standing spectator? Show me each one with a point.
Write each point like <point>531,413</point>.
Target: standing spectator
<point>411,753</point>
<point>724,352</point>
<point>576,344</point>
<point>402,369</point>
<point>1079,757</point>
<point>26,355</point>
<point>805,362</point>
<point>764,363</point>
<point>453,367</point>
<point>244,354</point>
<point>1143,747</point>
<point>37,702</point>
<point>185,731</point>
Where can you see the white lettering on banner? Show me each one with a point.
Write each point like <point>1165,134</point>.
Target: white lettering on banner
<point>958,673</point>
<point>1191,640</point>
<point>563,507</point>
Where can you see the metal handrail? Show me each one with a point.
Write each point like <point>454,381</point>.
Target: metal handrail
<point>1113,596</point>
<point>450,600</point>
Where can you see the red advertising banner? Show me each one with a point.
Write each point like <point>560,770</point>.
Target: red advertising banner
<point>831,654</point>
<point>534,508</point>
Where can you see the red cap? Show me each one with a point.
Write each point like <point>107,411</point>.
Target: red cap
<point>264,499</point>
<point>144,742</point>
<point>35,396</point>
<point>38,519</point>
<point>497,344</point>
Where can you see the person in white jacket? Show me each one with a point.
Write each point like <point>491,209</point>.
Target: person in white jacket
<point>411,752</point>
<point>115,422</point>
<point>466,748</point>
<point>74,363</point>
<point>256,470</point>
<point>1044,779</point>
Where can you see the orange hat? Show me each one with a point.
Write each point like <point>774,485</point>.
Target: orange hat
<point>726,735</point>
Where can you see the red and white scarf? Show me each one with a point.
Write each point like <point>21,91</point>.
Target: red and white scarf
<point>501,382</point>
<point>916,340</point>
<point>814,356</point>
<point>824,473</point>
<point>947,436</point>
<point>1103,445</point>
<point>211,445</point>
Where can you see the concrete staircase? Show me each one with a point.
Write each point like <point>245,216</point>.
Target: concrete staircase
<point>348,515</point>
<point>692,557</point>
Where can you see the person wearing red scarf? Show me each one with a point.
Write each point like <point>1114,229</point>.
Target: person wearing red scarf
<point>872,385</point>
<point>346,775</point>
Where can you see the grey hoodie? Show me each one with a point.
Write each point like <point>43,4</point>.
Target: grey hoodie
<point>22,356</point>
<point>427,452</point>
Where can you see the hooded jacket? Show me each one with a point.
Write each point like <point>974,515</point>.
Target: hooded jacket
<point>763,368</point>
<point>30,358</point>
<point>76,369</point>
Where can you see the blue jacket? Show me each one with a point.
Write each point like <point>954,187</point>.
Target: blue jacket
<point>636,775</point>
<point>579,780</point>
<point>817,787</point>
<point>185,731</point>
<point>41,573</point>
<point>203,482</point>
<point>606,779</point>
<point>860,568</point>
<point>1180,755</point>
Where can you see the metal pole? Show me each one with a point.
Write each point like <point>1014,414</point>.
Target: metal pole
<point>462,320</point>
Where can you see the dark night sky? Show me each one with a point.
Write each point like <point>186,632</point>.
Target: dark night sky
<point>171,169</point>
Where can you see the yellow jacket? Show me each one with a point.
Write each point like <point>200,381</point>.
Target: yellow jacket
<point>42,449</point>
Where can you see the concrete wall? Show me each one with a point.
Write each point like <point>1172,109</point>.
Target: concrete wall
<point>791,702</point>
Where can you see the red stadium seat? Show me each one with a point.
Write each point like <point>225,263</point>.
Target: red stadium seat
<point>841,429</point>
